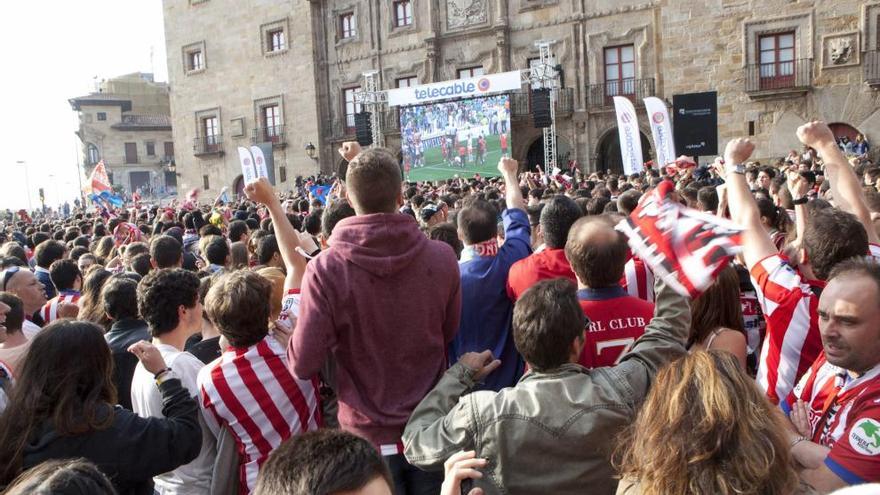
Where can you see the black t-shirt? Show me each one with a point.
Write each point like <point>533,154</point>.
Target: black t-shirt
<point>206,350</point>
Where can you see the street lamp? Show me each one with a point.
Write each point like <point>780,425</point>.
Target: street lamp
<point>27,183</point>
<point>310,151</point>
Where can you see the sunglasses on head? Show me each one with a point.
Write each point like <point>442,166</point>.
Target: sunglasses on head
<point>8,274</point>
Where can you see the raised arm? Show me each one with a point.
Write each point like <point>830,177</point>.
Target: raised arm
<point>262,192</point>
<point>846,189</point>
<point>512,192</point>
<point>757,244</point>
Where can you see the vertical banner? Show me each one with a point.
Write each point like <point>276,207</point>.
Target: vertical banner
<point>248,171</point>
<point>628,132</point>
<point>264,161</point>
<point>661,129</point>
<point>259,162</point>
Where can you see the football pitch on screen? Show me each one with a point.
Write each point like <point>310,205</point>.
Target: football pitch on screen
<point>437,169</point>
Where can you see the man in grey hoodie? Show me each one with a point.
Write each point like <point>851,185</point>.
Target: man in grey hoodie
<point>384,301</point>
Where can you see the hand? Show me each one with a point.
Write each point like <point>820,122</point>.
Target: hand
<point>800,418</point>
<point>738,151</point>
<point>349,150</point>
<point>260,191</point>
<point>461,466</point>
<point>797,185</point>
<point>284,326</point>
<point>68,310</point>
<point>816,134</point>
<point>148,355</point>
<point>482,363</point>
<point>508,166</point>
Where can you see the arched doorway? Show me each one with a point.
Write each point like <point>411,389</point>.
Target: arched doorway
<point>535,153</point>
<point>238,186</point>
<point>608,152</point>
<point>841,129</point>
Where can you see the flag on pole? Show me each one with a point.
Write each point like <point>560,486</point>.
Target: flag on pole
<point>661,130</point>
<point>99,180</point>
<point>630,138</point>
<point>685,247</point>
<point>320,193</point>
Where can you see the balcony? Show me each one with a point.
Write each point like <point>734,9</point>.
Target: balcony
<point>208,145</point>
<point>872,68</point>
<point>521,103</point>
<point>272,134</point>
<point>780,79</point>
<point>600,97</point>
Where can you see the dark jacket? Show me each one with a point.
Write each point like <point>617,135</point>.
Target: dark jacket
<point>123,334</point>
<point>133,449</point>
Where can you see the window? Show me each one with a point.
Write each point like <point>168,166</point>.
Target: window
<point>351,107</point>
<point>282,173</point>
<point>206,184</point>
<point>620,71</point>
<point>471,72</point>
<point>407,82</point>
<point>92,154</point>
<point>151,148</point>
<point>131,153</point>
<point>194,57</point>
<point>169,149</point>
<point>211,130</point>
<point>271,116</point>
<point>195,61</point>
<point>403,15</point>
<point>347,26</point>
<point>275,40</point>
<point>776,59</point>
<point>102,116</point>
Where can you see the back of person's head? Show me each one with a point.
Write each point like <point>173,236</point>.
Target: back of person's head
<point>62,477</point>
<point>324,462</point>
<point>119,298</point>
<point>215,249</point>
<point>718,307</point>
<point>136,248</point>
<point>14,250</point>
<point>373,182</point>
<point>236,229</point>
<point>628,201</point>
<point>239,257</point>
<point>546,321</point>
<point>78,251</point>
<point>210,229</point>
<point>275,277</point>
<point>477,222</point>
<point>312,222</point>
<point>162,294</point>
<point>706,428</point>
<point>238,305</point>
<point>596,206</point>
<point>557,217</point>
<point>15,316</point>
<point>446,232</point>
<point>707,199</point>
<point>64,274</point>
<point>333,214</point>
<point>142,264</point>
<point>832,236</point>
<point>267,246</point>
<point>48,252</point>
<point>166,251</point>
<point>596,252</point>
<point>66,378</point>
<point>91,307</point>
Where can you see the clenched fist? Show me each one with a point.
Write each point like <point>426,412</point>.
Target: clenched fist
<point>815,134</point>
<point>260,191</point>
<point>349,150</point>
<point>508,166</point>
<point>738,151</point>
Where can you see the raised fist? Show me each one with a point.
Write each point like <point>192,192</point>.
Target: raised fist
<point>738,151</point>
<point>260,191</point>
<point>508,166</point>
<point>815,134</point>
<point>349,150</point>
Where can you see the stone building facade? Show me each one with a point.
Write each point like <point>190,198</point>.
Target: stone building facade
<point>774,63</point>
<point>126,123</point>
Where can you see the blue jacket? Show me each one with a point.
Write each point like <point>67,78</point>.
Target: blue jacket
<point>486,310</point>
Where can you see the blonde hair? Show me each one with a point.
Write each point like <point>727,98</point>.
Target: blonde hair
<point>706,428</point>
<point>276,277</point>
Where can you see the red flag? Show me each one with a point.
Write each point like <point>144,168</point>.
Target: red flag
<point>99,180</point>
<point>685,247</point>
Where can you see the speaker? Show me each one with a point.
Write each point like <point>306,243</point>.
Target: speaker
<point>541,108</point>
<point>363,128</point>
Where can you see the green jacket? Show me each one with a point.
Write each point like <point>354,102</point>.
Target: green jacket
<point>554,431</point>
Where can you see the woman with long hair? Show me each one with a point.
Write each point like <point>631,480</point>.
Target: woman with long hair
<point>705,429</point>
<point>62,407</point>
<point>717,319</point>
<point>91,307</point>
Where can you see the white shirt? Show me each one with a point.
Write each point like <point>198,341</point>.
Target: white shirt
<point>30,329</point>
<point>146,401</point>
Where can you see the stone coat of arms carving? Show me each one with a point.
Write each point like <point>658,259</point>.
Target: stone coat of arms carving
<point>463,13</point>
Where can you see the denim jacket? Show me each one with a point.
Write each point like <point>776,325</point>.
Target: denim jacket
<point>554,431</point>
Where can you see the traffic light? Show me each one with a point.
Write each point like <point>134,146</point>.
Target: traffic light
<point>42,196</point>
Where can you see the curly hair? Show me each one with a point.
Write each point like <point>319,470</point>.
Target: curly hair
<point>706,428</point>
<point>161,293</point>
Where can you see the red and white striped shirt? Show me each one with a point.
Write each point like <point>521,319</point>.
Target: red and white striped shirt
<point>50,309</point>
<point>638,279</point>
<point>790,306</point>
<point>250,391</point>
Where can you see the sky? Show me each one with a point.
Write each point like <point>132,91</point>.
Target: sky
<point>50,52</point>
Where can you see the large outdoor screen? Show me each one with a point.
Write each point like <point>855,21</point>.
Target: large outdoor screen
<point>463,137</point>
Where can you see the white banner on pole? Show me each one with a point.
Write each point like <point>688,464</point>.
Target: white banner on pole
<point>248,171</point>
<point>661,129</point>
<point>630,138</point>
<point>458,88</point>
<point>259,162</point>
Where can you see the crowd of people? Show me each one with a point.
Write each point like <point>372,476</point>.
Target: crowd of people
<point>467,336</point>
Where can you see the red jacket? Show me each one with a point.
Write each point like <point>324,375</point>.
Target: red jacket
<point>549,263</point>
